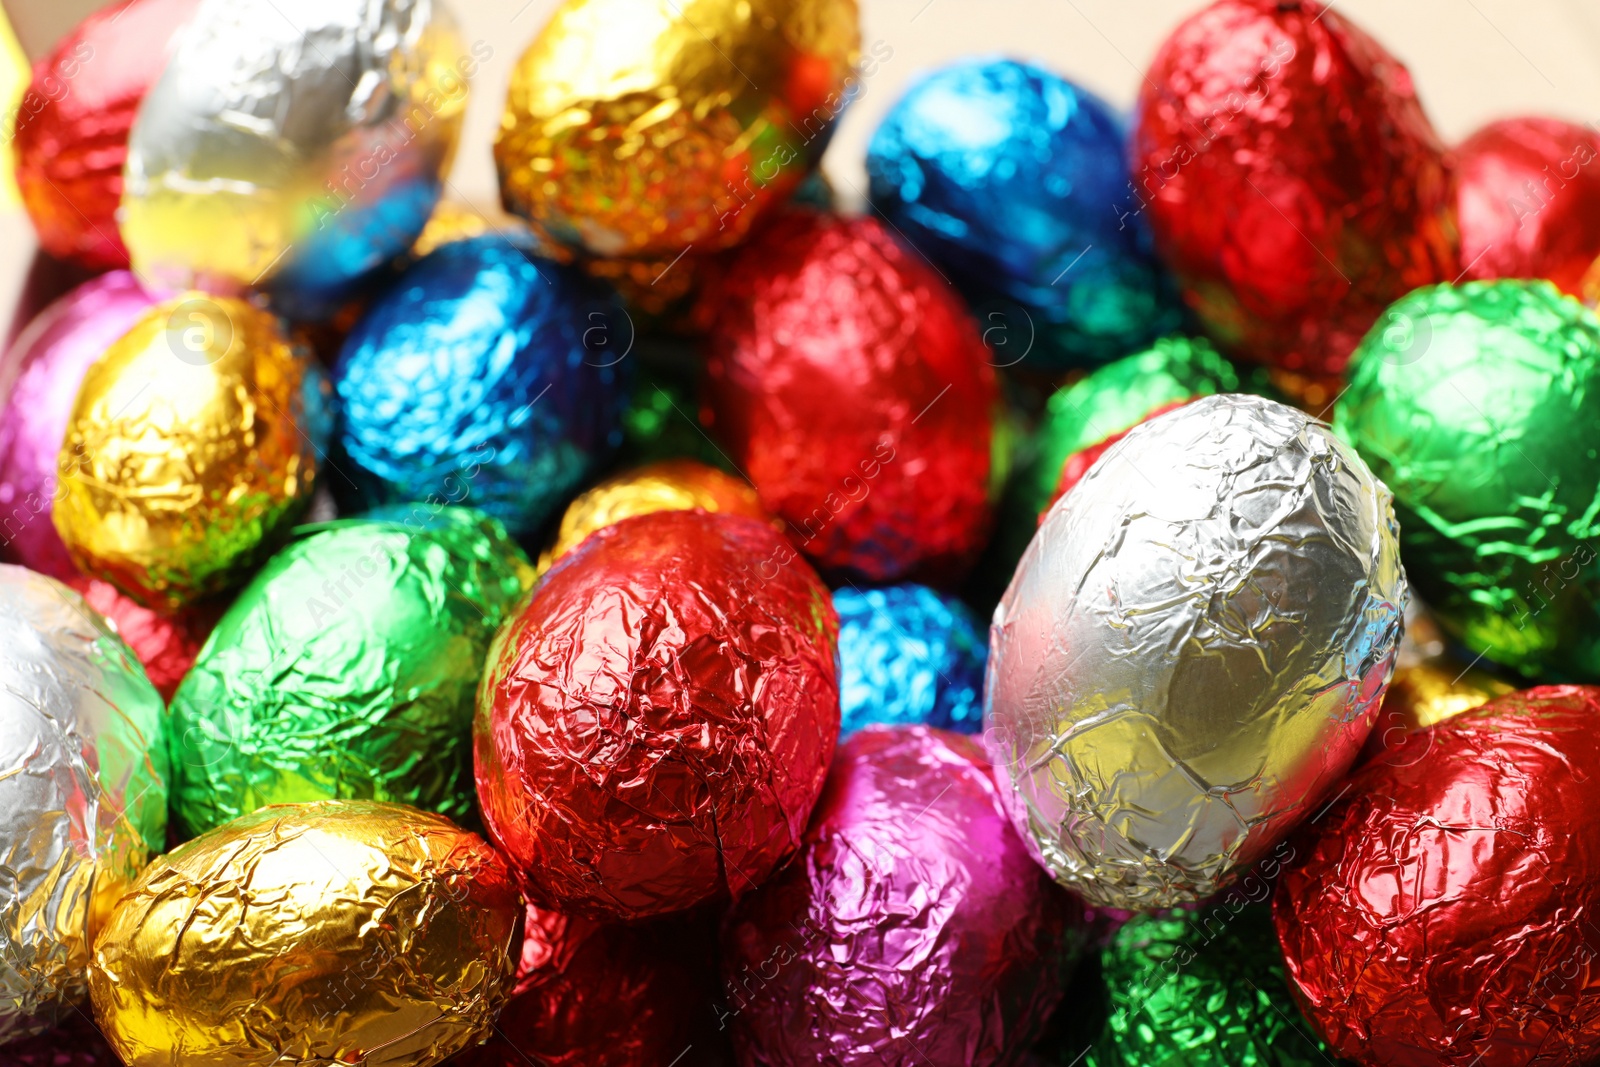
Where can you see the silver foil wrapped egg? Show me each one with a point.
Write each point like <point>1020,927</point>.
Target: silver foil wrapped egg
<point>1193,650</point>
<point>83,791</point>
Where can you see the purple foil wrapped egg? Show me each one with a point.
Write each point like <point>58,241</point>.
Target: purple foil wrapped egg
<point>912,928</point>
<point>48,360</point>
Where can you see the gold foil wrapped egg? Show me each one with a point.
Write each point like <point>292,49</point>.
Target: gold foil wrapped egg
<point>322,933</point>
<point>645,128</point>
<point>190,451</point>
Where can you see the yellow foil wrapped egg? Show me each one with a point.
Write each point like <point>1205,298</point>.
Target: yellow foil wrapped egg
<point>1431,692</point>
<point>331,932</point>
<point>191,449</point>
<point>647,128</point>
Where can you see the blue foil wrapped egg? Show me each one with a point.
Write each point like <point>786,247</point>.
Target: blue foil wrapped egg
<point>1014,181</point>
<point>486,377</point>
<point>909,655</point>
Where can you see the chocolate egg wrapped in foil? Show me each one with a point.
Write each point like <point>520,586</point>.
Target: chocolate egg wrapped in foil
<point>310,933</point>
<point>347,668</point>
<point>1443,912</point>
<point>1193,650</point>
<point>1467,401</point>
<point>851,385</point>
<point>909,655</point>
<point>191,450</point>
<point>294,145</point>
<point>49,359</point>
<point>83,801</point>
<point>913,927</point>
<point>643,129</point>
<point>1009,178</point>
<point>656,720</point>
<point>73,121</point>
<point>1080,463</point>
<point>1293,183</point>
<point>166,645</point>
<point>1427,693</point>
<point>486,377</point>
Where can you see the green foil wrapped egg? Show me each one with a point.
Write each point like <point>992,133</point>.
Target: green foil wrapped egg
<point>1478,406</point>
<point>347,670</point>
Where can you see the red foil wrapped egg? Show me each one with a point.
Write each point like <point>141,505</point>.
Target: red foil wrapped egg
<point>655,723</point>
<point>1446,911</point>
<point>1290,178</point>
<point>73,123</point>
<point>851,386</point>
<point>165,644</point>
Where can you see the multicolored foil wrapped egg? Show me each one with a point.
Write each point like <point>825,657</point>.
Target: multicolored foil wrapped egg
<point>1528,202</point>
<point>645,129</point>
<point>347,669</point>
<point>191,450</point>
<point>913,927</point>
<point>1291,179</point>
<point>1442,913</point>
<point>1467,401</point>
<point>848,381</point>
<point>166,645</point>
<point>656,721</point>
<point>259,160</point>
<point>1193,650</point>
<point>49,359</point>
<point>486,377</point>
<point>310,933</point>
<point>1009,178</point>
<point>909,655</point>
<point>72,125</point>
<point>83,801</point>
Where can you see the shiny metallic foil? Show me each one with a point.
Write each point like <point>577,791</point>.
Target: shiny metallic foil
<point>83,801</point>
<point>1193,650</point>
<point>486,376</point>
<point>642,128</point>
<point>850,383</point>
<point>909,655</point>
<point>656,720</point>
<point>1009,177</point>
<point>1424,694</point>
<point>347,669</point>
<point>912,929</point>
<point>1442,913</point>
<point>1204,989</point>
<point>1080,463</point>
<point>166,645</point>
<point>452,220</point>
<point>333,932</point>
<point>1291,179</point>
<point>1470,402</point>
<point>294,145</point>
<point>191,450</point>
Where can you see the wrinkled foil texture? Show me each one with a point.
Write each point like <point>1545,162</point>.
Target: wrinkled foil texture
<point>1193,650</point>
<point>1426,693</point>
<point>656,720</point>
<point>191,450</point>
<point>73,121</point>
<point>323,933</point>
<point>909,655</point>
<point>1528,201</point>
<point>1465,402</point>
<point>1080,463</point>
<point>1442,913</point>
<point>913,927</point>
<point>1291,179</point>
<point>647,128</point>
<point>1008,177</point>
<point>487,377</point>
<point>347,669</point>
<point>851,385</point>
<point>295,145</point>
<point>83,796</point>
<point>166,645</point>
<point>50,357</point>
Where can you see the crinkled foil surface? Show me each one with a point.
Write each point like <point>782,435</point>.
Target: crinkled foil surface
<point>656,721</point>
<point>909,655</point>
<point>1443,912</point>
<point>913,928</point>
<point>347,669</point>
<point>83,792</point>
<point>1080,463</point>
<point>1193,650</point>
<point>165,644</point>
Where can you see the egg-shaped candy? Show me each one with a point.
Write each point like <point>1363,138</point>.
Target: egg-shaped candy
<point>166,645</point>
<point>1193,650</point>
<point>909,655</point>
